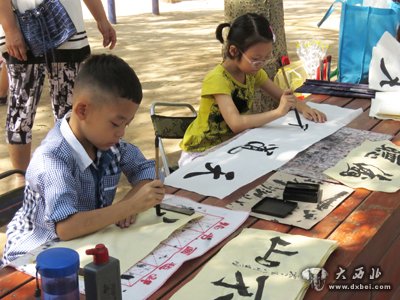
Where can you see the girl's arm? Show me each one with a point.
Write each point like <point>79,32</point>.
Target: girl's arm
<point>309,113</point>
<point>238,123</point>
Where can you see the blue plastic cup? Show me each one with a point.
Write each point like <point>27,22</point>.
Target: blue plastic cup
<point>58,269</point>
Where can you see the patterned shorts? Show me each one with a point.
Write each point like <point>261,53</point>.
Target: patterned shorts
<point>26,85</point>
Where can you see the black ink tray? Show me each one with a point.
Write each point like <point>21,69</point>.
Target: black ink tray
<point>274,207</point>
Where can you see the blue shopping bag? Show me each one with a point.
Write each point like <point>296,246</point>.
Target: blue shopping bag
<point>361,27</point>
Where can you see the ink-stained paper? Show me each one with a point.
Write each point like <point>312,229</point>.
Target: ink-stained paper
<point>131,244</point>
<point>306,215</point>
<point>385,105</point>
<point>373,165</point>
<point>259,264</point>
<point>257,152</point>
<point>384,69</point>
<point>324,154</point>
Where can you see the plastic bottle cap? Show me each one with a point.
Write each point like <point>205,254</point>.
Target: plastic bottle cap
<point>100,254</point>
<point>57,262</point>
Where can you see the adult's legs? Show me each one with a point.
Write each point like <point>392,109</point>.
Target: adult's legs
<point>61,82</point>
<point>26,84</point>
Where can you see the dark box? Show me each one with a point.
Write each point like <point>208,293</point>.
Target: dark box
<point>304,192</point>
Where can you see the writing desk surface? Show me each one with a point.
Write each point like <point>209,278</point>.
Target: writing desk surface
<point>366,226</point>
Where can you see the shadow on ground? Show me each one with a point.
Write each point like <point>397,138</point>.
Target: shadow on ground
<point>171,53</point>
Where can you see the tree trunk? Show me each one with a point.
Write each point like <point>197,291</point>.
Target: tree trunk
<point>273,11</point>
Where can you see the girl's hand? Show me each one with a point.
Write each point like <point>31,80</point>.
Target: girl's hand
<point>286,103</point>
<point>313,114</point>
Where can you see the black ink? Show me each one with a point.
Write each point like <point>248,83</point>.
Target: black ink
<point>241,288</point>
<point>309,214</point>
<point>158,211</point>
<point>168,220</point>
<point>389,153</point>
<point>364,171</point>
<point>216,171</point>
<point>304,127</point>
<point>127,277</point>
<point>324,204</point>
<point>255,146</point>
<point>391,81</point>
<point>269,263</point>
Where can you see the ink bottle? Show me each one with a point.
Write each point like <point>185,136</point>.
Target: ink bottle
<point>58,269</point>
<point>102,277</point>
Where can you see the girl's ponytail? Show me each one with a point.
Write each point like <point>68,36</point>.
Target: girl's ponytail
<point>218,32</point>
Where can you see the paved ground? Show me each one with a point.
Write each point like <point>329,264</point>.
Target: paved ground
<point>172,52</point>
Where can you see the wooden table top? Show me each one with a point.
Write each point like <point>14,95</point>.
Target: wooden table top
<point>366,226</point>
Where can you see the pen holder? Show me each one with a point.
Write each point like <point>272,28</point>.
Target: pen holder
<point>303,192</point>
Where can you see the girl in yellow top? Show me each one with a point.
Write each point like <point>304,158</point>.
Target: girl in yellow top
<point>228,90</point>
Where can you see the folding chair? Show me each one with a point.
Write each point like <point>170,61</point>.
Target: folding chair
<point>10,202</point>
<point>170,124</point>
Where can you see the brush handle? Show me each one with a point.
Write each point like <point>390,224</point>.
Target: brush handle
<point>157,159</point>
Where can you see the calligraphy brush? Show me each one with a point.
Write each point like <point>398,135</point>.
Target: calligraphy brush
<point>157,159</point>
<point>284,62</point>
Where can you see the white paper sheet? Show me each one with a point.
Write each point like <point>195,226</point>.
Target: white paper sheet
<point>265,263</point>
<point>306,215</point>
<point>373,165</point>
<point>384,69</point>
<point>233,165</point>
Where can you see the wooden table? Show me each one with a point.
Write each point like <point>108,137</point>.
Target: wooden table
<point>366,226</point>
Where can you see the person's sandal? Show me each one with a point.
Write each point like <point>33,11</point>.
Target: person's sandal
<point>3,100</point>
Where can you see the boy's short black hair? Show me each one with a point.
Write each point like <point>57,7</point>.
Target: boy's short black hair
<point>109,73</point>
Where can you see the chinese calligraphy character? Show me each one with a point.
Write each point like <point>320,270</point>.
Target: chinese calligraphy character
<point>149,279</point>
<point>358,273</point>
<point>188,250</point>
<point>269,263</point>
<point>365,171</point>
<point>389,153</point>
<point>391,81</point>
<point>208,236</point>
<point>341,274</point>
<point>255,146</point>
<point>241,288</point>
<point>375,273</point>
<point>216,171</point>
<point>167,266</point>
<point>221,225</point>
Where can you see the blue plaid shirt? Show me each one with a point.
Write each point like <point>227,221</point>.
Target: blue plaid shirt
<point>62,180</point>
